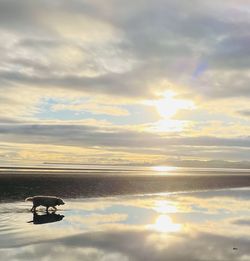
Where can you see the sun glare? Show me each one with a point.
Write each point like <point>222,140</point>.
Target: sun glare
<point>165,224</point>
<point>163,168</point>
<point>169,105</point>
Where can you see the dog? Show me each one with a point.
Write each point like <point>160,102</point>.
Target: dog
<point>46,201</point>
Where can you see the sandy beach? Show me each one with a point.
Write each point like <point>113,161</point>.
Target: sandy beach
<point>121,217</point>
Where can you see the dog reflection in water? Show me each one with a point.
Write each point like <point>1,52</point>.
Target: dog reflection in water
<point>46,218</point>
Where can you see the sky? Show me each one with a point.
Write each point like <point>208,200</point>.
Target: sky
<point>124,82</point>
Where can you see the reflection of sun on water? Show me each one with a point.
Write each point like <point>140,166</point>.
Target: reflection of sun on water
<point>165,224</point>
<point>163,168</point>
<point>164,206</point>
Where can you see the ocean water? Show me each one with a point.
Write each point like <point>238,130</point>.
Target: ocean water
<point>121,217</point>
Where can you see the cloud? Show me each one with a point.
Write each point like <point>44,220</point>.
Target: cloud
<point>232,53</point>
<point>244,113</point>
<point>92,108</point>
<point>87,135</point>
<point>145,245</point>
<point>242,222</point>
<point>125,53</point>
<point>143,45</point>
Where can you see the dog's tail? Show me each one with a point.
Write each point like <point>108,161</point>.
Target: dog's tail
<point>29,199</point>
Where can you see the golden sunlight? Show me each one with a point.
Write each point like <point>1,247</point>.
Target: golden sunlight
<point>165,224</point>
<point>169,105</point>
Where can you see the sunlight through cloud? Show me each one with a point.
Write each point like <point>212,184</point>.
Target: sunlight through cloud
<point>169,105</point>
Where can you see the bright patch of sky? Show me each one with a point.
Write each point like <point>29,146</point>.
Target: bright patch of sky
<point>136,114</point>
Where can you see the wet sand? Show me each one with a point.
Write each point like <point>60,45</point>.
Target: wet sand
<point>17,186</point>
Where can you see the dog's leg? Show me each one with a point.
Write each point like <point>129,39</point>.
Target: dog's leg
<point>33,209</point>
<point>54,208</point>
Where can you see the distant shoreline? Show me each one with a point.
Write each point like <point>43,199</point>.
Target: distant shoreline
<point>93,170</point>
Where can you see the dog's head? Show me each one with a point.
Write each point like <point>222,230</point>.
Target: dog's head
<point>60,202</point>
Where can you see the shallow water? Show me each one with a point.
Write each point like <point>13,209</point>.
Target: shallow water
<point>205,225</point>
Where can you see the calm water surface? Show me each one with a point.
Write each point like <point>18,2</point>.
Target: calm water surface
<point>206,225</point>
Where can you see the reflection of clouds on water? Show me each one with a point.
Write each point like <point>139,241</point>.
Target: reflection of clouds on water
<point>98,219</point>
<point>138,245</point>
<point>188,226</point>
<point>165,206</point>
<point>89,204</point>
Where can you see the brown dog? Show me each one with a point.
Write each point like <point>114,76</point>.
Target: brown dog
<point>46,201</point>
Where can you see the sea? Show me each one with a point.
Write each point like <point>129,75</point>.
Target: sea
<point>125,213</point>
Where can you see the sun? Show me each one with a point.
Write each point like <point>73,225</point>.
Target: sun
<point>168,106</point>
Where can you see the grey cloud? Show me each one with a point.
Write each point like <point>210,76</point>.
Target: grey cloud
<point>163,36</point>
<point>112,83</point>
<point>14,12</point>
<point>41,43</point>
<point>245,113</point>
<point>9,120</point>
<point>84,135</point>
<point>223,84</point>
<point>242,222</point>
<point>31,64</point>
<point>232,53</point>
<point>24,18</point>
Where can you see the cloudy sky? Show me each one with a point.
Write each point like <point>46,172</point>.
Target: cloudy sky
<point>131,82</point>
